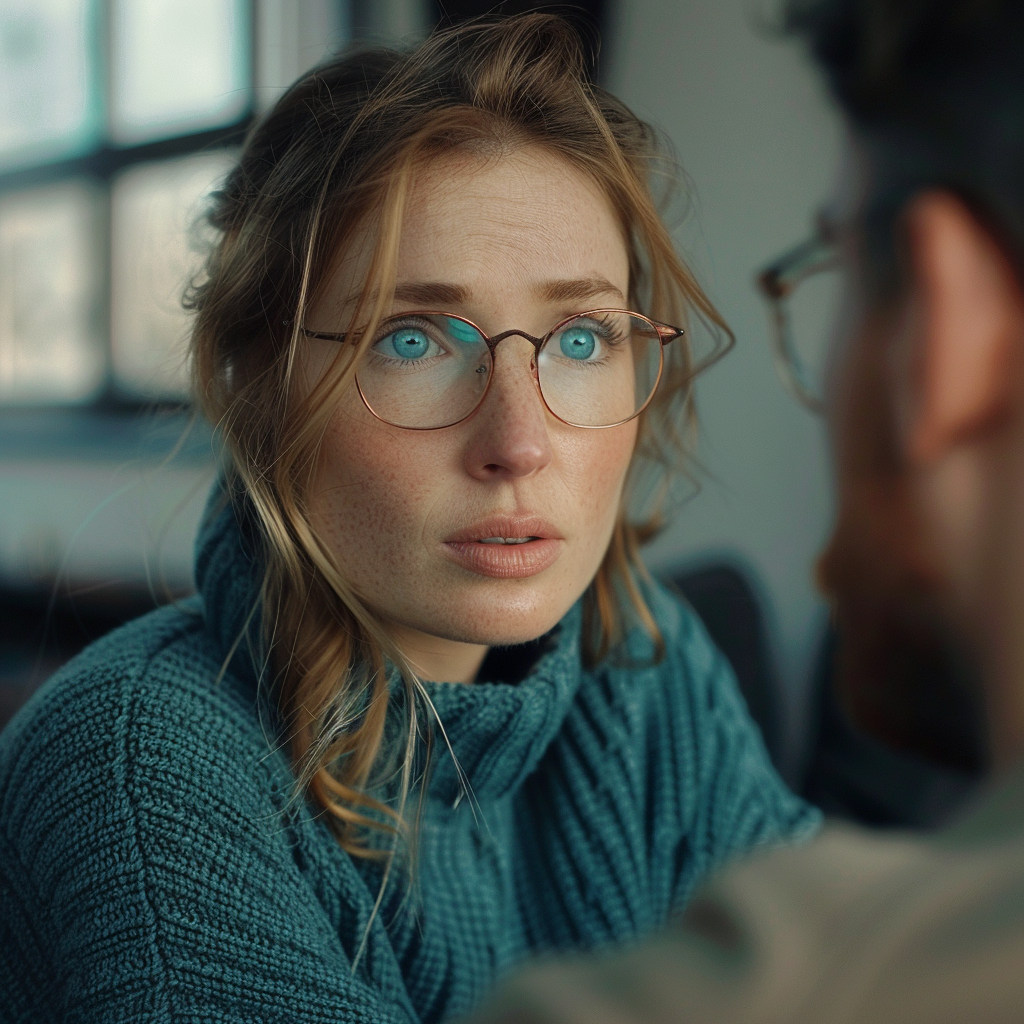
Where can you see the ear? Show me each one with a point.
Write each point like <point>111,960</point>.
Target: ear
<point>967,327</point>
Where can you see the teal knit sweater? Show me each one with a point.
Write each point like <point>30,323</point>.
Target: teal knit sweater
<point>153,867</point>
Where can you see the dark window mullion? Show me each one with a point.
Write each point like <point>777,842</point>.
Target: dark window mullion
<point>104,246</point>
<point>104,171</point>
<point>106,161</point>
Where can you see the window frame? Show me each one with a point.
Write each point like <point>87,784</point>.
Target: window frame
<point>98,169</point>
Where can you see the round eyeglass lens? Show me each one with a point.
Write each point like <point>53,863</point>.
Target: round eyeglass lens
<point>600,368</point>
<point>424,371</point>
<point>807,321</point>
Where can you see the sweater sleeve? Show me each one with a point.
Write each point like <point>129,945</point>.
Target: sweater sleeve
<point>145,870</point>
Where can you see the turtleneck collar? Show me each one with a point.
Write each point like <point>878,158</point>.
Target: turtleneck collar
<point>498,732</point>
<point>228,578</point>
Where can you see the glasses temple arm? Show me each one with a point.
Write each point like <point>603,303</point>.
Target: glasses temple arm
<point>667,333</point>
<point>780,278</point>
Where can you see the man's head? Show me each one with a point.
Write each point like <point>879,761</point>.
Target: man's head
<point>927,406</point>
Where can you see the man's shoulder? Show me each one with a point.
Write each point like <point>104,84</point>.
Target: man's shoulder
<point>844,873</point>
<point>855,927</point>
<point>893,926</point>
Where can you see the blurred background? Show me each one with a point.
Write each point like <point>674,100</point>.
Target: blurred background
<point>116,119</point>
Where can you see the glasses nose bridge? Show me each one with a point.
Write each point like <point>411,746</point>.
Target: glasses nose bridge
<point>492,345</point>
<point>494,342</point>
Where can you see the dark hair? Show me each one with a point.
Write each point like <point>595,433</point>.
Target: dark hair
<point>934,93</point>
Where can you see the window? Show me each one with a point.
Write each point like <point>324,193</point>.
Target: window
<point>50,348</point>
<point>117,118</point>
<point>156,245</point>
<point>49,85</point>
<point>180,65</point>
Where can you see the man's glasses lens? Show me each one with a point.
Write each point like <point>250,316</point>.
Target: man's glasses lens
<point>431,370</point>
<point>806,290</point>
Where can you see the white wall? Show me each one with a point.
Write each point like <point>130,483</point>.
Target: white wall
<point>757,137</point>
<point>292,36</point>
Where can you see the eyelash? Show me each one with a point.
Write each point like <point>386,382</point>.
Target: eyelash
<point>606,331</point>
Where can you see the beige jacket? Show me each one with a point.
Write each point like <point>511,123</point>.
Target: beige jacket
<point>854,928</point>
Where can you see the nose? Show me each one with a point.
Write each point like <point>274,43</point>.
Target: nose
<point>509,433</point>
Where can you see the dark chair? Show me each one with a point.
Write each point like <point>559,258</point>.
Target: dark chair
<point>41,628</point>
<point>851,775</point>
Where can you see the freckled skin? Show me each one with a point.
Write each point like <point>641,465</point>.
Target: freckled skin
<point>388,498</point>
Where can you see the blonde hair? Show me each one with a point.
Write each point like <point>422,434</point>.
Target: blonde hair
<point>333,158</point>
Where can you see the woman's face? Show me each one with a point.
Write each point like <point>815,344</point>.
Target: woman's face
<point>516,241</point>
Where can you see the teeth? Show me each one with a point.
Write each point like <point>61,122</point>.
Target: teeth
<point>505,540</point>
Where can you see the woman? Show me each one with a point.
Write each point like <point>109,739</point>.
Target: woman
<point>427,715</point>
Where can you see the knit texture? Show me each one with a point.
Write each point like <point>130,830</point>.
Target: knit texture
<point>153,866</point>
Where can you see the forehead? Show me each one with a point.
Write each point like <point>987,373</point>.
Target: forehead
<point>529,213</point>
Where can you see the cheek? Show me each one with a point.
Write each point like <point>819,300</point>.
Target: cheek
<point>957,526</point>
<point>374,488</point>
<point>596,461</point>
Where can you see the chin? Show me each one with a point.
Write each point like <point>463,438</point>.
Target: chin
<point>502,619</point>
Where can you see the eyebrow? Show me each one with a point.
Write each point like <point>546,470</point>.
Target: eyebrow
<point>431,293</point>
<point>580,288</point>
<point>441,293</point>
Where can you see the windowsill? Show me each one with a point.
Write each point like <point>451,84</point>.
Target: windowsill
<point>104,435</point>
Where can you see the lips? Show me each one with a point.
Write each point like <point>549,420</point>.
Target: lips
<point>506,547</point>
<point>506,528</point>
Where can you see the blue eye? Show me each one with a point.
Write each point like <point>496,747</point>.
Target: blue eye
<point>408,343</point>
<point>577,343</point>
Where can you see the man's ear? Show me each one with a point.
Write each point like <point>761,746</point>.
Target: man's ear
<point>967,326</point>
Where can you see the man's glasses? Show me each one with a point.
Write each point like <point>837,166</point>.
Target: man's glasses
<point>803,289</point>
<point>426,370</point>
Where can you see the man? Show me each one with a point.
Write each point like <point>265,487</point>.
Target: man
<point>926,409</point>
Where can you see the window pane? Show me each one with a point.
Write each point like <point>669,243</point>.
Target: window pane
<point>49,106</point>
<point>178,66</point>
<point>50,349</point>
<point>158,244</point>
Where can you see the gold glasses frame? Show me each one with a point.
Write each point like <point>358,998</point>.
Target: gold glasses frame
<point>666,333</point>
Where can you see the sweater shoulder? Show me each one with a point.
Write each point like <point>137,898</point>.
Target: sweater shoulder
<point>694,714</point>
<point>155,682</point>
<point>152,863</point>
<point>683,651</point>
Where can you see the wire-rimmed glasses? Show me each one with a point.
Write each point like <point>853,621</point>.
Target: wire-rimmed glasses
<point>802,323</point>
<point>429,369</point>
